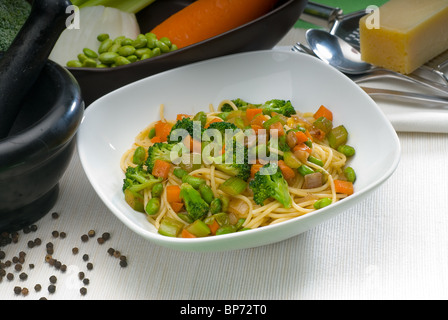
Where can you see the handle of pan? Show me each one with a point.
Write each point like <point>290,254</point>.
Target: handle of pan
<point>321,15</point>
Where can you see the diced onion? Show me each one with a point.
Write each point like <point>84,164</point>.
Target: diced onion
<point>92,22</point>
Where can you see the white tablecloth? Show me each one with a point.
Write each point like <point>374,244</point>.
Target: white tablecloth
<point>393,245</point>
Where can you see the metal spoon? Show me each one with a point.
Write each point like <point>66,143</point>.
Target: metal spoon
<point>342,56</point>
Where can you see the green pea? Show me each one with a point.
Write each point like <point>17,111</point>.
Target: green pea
<point>132,58</point>
<point>140,42</point>
<point>346,150</point>
<point>153,206</point>
<point>74,64</point>
<point>157,190</point>
<point>304,170</point>
<point>163,46</point>
<point>108,57</point>
<point>105,45</point>
<point>139,155</point>
<point>89,63</point>
<point>321,203</point>
<point>114,48</point>
<point>126,51</point>
<point>121,61</point>
<point>90,53</point>
<point>156,52</point>
<point>102,37</point>
<point>350,174</point>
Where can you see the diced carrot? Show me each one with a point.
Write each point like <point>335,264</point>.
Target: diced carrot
<point>212,121</point>
<point>254,169</point>
<point>156,139</point>
<point>287,172</point>
<point>323,112</point>
<point>161,169</point>
<point>279,127</point>
<point>342,186</point>
<point>204,19</point>
<point>173,193</point>
<point>214,227</point>
<point>176,206</point>
<point>163,130</point>
<point>256,128</point>
<point>303,147</point>
<point>259,119</point>
<point>301,137</point>
<point>186,234</point>
<point>251,113</point>
<point>192,144</point>
<point>180,116</point>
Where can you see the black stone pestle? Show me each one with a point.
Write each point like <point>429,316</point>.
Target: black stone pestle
<point>22,63</point>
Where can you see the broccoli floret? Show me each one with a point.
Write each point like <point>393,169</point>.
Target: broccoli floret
<point>13,14</point>
<point>222,127</point>
<point>269,183</point>
<point>196,207</point>
<point>194,129</point>
<point>136,180</point>
<point>160,151</point>
<point>279,106</point>
<point>239,103</point>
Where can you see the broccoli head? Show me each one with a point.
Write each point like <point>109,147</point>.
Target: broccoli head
<point>193,128</point>
<point>196,206</point>
<point>136,180</point>
<point>13,14</point>
<point>159,151</point>
<point>240,104</point>
<point>269,183</point>
<point>222,127</point>
<point>278,106</point>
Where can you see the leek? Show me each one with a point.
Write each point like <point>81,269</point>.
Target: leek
<point>131,6</point>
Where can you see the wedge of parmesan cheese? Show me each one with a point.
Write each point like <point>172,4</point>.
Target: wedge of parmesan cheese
<point>405,35</point>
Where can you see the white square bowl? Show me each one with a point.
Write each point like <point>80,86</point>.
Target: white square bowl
<point>111,124</point>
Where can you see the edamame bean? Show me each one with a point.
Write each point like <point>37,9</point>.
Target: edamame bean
<point>151,42</point>
<point>139,155</point>
<point>152,133</point>
<point>74,64</point>
<point>90,53</point>
<point>105,45</point>
<point>321,203</point>
<point>108,57</point>
<point>157,190</point>
<point>350,174</point>
<point>145,56</point>
<point>121,61</point>
<point>140,42</point>
<point>82,57</point>
<point>162,46</point>
<point>140,52</point>
<point>215,206</point>
<point>153,206</point>
<point>89,63</point>
<point>206,193</point>
<point>127,42</point>
<point>103,36</point>
<point>156,52</point>
<point>126,51</point>
<point>114,47</point>
<point>119,40</point>
<point>132,58</point>
<point>166,41</point>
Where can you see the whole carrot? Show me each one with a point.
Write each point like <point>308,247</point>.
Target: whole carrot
<point>204,19</point>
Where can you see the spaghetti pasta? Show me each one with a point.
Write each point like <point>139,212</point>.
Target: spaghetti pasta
<point>313,177</point>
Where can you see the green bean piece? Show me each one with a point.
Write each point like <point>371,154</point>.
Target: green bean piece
<point>89,63</point>
<point>225,200</point>
<point>315,160</point>
<point>216,206</point>
<point>102,37</point>
<point>199,228</point>
<point>195,182</point>
<point>185,217</point>
<point>90,53</point>
<point>170,227</point>
<point>126,51</point>
<point>153,206</point>
<point>152,133</point>
<point>74,64</point>
<point>321,203</point>
<point>206,193</point>
<point>225,230</point>
<point>239,224</point>
<point>108,57</point>
<point>350,174</point>
<point>157,190</point>
<point>105,45</point>
<point>139,155</point>
<point>304,170</point>
<point>346,150</point>
<point>179,173</point>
